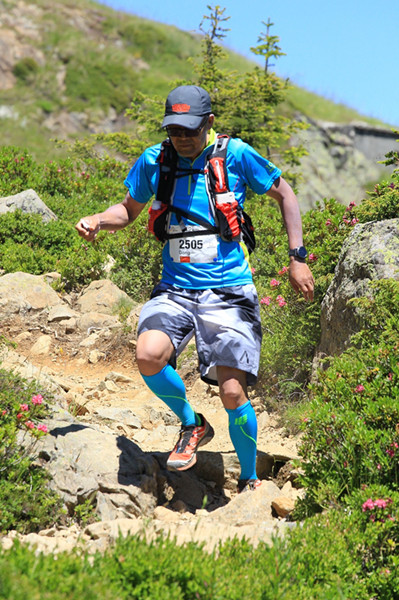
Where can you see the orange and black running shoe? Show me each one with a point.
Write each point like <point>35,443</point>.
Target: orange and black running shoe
<point>184,454</point>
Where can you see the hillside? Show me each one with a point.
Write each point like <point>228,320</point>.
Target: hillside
<point>68,69</point>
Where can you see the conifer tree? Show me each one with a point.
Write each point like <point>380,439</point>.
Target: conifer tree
<point>244,104</point>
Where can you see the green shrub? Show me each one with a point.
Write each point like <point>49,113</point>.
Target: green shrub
<point>373,522</point>
<point>25,67</point>
<point>382,203</point>
<point>138,259</point>
<point>22,257</point>
<point>26,503</point>
<point>82,264</point>
<point>16,167</point>
<point>291,326</point>
<point>335,555</point>
<point>351,427</point>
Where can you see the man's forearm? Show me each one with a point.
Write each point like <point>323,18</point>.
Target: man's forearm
<point>283,193</point>
<point>114,218</point>
<point>292,221</point>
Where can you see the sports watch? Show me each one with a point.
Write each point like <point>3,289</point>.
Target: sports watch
<point>299,253</point>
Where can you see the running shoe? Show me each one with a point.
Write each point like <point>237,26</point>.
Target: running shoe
<point>248,485</point>
<point>184,454</point>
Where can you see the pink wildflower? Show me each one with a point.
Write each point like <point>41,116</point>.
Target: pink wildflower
<point>312,257</point>
<point>19,416</point>
<point>328,222</point>
<point>354,221</point>
<point>275,282</point>
<point>24,407</point>
<point>38,399</point>
<point>390,376</point>
<point>283,270</point>
<point>265,300</point>
<point>368,505</point>
<point>253,270</point>
<point>30,425</point>
<point>42,427</point>
<point>4,412</point>
<point>281,301</point>
<point>350,206</point>
<point>380,503</point>
<point>359,389</point>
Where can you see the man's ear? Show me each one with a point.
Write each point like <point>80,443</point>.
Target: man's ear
<point>211,120</point>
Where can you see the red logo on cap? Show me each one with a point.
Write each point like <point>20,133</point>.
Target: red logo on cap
<point>182,108</point>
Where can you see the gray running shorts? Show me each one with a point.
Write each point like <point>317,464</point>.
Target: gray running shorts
<point>225,322</point>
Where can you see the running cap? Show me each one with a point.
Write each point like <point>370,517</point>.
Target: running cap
<point>186,106</point>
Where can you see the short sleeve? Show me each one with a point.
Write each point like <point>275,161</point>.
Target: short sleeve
<point>141,180</point>
<point>258,172</point>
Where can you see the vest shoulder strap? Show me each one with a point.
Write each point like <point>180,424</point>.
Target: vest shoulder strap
<point>167,160</point>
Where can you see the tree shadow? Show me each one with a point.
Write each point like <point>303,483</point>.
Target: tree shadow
<point>62,431</point>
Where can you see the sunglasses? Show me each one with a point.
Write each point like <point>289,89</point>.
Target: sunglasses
<point>184,132</point>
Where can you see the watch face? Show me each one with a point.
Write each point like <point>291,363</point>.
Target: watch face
<point>302,253</point>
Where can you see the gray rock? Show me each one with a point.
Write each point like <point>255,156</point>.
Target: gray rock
<point>92,321</point>
<point>371,252</point>
<point>118,377</point>
<point>102,296</point>
<point>250,507</point>
<point>119,414</point>
<point>60,312</point>
<point>22,293</point>
<point>42,345</point>
<point>29,202</point>
<point>341,161</point>
<point>85,460</point>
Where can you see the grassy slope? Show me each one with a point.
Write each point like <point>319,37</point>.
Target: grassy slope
<point>106,56</point>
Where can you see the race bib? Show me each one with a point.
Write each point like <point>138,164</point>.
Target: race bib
<point>193,249</point>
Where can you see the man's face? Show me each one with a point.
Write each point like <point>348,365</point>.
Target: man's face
<point>189,145</point>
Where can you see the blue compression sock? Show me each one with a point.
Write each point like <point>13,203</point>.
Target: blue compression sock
<point>169,387</point>
<point>243,429</point>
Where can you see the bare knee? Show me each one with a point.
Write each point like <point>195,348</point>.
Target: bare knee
<point>153,351</point>
<point>232,387</point>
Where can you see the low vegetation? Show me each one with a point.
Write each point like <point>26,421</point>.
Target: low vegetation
<point>345,544</point>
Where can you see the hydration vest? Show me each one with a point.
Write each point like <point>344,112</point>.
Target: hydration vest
<point>231,222</point>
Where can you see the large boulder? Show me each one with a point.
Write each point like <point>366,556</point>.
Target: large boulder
<point>103,297</point>
<point>370,253</point>
<point>23,292</point>
<point>88,462</point>
<point>29,202</point>
<point>337,165</point>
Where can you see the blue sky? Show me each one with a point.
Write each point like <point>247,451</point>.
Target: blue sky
<point>344,50</point>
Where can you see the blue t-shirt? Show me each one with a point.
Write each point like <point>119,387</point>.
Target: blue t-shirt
<point>229,265</point>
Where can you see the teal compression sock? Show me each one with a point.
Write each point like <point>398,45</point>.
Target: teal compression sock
<point>169,387</point>
<point>243,429</point>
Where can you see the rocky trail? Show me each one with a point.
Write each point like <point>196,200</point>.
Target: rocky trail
<point>109,436</point>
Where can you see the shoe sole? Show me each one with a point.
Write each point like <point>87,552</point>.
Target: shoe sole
<point>188,464</point>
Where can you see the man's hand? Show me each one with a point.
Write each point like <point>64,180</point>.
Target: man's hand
<point>301,279</point>
<point>88,227</point>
